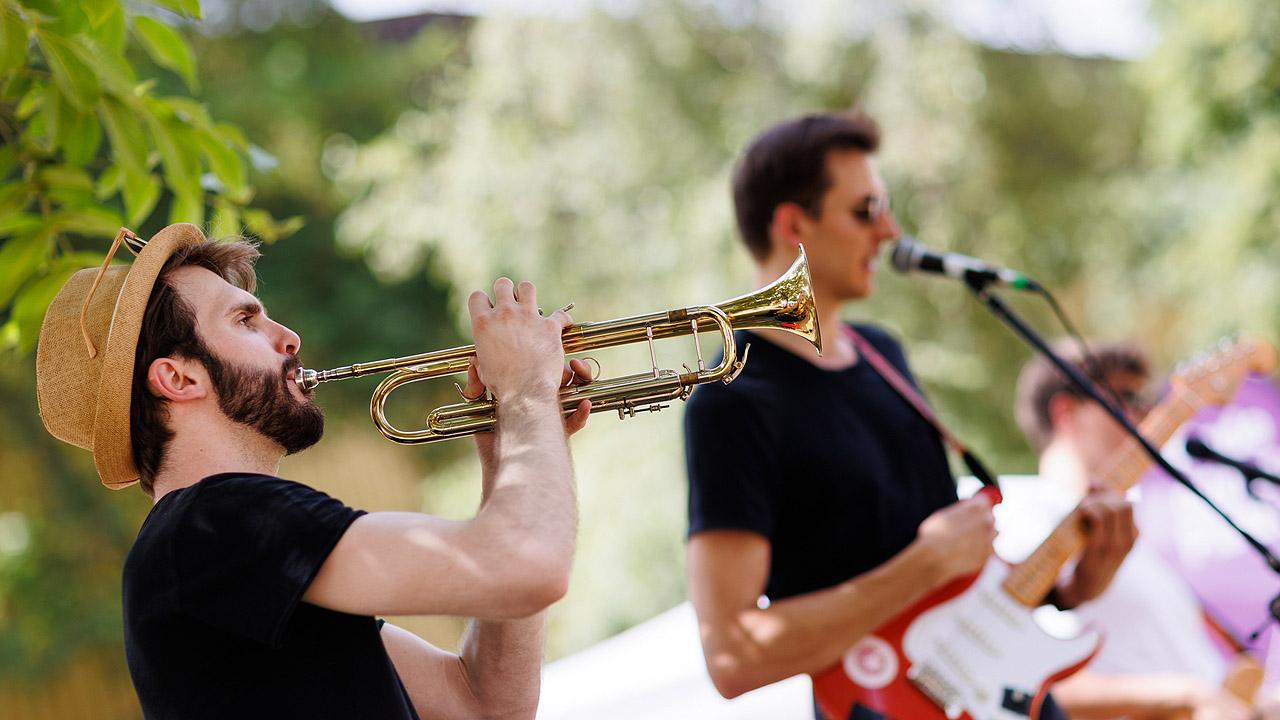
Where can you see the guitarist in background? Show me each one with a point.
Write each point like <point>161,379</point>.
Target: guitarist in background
<point>1157,659</point>
<point>820,503</point>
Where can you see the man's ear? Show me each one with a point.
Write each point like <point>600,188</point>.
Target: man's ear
<point>1062,408</point>
<point>177,379</point>
<point>789,226</point>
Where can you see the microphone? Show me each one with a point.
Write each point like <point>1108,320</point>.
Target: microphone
<point>911,256</point>
<point>1197,449</point>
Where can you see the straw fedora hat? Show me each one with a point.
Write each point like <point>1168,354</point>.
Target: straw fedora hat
<point>84,358</point>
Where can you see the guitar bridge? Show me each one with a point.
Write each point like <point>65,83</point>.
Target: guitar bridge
<point>936,688</point>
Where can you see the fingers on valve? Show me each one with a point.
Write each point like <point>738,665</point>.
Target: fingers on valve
<point>504,292</point>
<point>526,293</point>
<point>478,303</point>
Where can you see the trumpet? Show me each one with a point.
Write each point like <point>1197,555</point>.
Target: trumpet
<point>785,304</point>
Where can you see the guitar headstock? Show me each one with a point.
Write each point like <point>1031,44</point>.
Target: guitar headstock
<point>1213,377</point>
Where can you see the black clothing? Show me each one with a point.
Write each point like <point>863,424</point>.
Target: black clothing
<point>215,625</point>
<point>833,467</point>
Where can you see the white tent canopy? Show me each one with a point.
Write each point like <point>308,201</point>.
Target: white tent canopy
<point>655,670</point>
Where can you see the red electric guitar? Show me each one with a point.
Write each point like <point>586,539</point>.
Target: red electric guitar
<point>971,650</point>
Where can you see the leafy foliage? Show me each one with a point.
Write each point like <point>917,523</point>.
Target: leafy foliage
<point>89,147</point>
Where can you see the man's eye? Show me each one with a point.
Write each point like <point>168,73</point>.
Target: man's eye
<point>244,320</point>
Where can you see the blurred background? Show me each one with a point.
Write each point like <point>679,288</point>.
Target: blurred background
<point>396,156</point>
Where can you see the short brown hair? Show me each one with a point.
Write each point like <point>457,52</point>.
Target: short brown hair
<point>788,163</point>
<point>1039,382</point>
<point>169,330</point>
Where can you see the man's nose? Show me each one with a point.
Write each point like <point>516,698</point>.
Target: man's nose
<point>288,341</point>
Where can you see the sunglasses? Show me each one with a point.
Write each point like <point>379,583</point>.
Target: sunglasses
<point>873,207</point>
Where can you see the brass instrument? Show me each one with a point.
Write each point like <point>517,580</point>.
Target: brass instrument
<point>786,304</point>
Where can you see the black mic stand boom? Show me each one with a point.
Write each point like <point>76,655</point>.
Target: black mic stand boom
<point>980,290</point>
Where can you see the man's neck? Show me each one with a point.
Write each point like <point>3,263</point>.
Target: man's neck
<point>1062,464</point>
<point>227,447</point>
<point>838,352</point>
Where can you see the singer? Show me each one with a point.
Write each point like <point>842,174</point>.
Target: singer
<point>812,483</point>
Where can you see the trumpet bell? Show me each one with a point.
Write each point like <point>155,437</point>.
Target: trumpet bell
<point>784,304</point>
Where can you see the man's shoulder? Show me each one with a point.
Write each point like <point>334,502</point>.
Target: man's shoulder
<point>239,496</point>
<point>882,339</point>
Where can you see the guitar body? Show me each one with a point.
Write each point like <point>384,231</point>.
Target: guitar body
<point>967,652</point>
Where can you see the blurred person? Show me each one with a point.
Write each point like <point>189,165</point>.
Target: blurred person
<point>247,595</point>
<point>821,504</point>
<point>1157,658</point>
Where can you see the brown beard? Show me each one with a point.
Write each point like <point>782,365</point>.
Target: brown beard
<point>261,400</point>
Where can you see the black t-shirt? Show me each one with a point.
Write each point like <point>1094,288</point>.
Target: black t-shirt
<point>834,468</point>
<point>215,625</point>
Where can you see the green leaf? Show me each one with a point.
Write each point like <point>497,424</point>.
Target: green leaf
<point>225,163</point>
<point>16,87</point>
<point>128,144</point>
<point>8,160</point>
<point>20,258</point>
<point>190,8</point>
<point>99,11</point>
<point>108,182</point>
<point>167,48</point>
<point>233,136</point>
<point>261,224</point>
<point>91,221</point>
<point>178,153</point>
<point>15,196</point>
<point>190,111</point>
<point>73,75</point>
<point>55,117</point>
<point>111,33</point>
<point>19,224</point>
<point>226,220</point>
<point>140,197</point>
<point>83,136</point>
<point>30,103</point>
<point>13,40</point>
<point>65,176</point>
<point>187,207</point>
<point>114,71</point>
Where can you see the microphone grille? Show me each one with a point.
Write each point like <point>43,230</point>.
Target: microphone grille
<point>904,252</point>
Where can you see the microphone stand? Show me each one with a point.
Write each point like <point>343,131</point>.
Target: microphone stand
<point>979,285</point>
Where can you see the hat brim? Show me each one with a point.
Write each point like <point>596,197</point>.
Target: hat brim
<point>112,447</point>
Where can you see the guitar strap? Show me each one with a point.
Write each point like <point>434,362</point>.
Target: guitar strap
<point>886,370</point>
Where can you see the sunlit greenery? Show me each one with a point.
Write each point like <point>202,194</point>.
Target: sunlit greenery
<point>591,154</point>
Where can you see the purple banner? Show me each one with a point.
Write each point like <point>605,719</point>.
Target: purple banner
<point>1233,582</point>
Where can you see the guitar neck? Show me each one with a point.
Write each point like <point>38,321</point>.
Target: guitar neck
<point>1031,580</point>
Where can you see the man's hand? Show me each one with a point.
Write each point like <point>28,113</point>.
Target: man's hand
<point>1110,533</point>
<point>1221,705</point>
<point>519,353</point>
<point>957,539</point>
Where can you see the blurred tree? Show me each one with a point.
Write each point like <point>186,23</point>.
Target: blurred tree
<point>592,155</point>
<point>1203,219</point>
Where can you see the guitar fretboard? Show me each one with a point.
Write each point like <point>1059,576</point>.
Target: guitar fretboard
<point>1031,580</point>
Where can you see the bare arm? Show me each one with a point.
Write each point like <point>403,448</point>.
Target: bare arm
<point>513,559</point>
<point>747,647</point>
<point>1146,696</point>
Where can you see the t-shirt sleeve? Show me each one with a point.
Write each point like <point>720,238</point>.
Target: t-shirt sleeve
<point>247,548</point>
<point>728,464</point>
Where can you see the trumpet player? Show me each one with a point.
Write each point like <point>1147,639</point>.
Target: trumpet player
<point>248,595</point>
